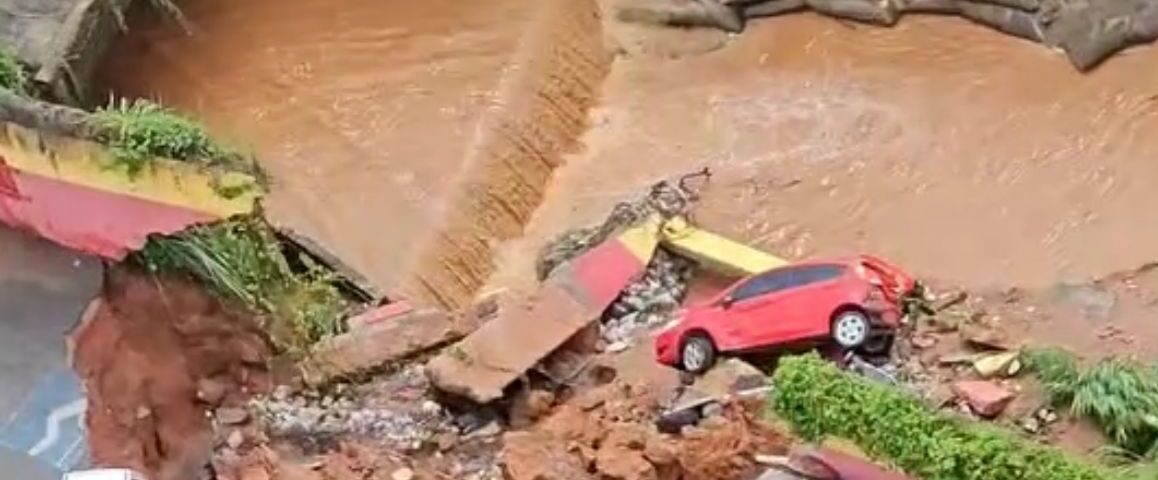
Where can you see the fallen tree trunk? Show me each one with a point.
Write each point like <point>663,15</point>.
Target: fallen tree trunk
<point>44,116</point>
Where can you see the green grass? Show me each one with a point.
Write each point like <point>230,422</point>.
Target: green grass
<point>819,400</point>
<point>1118,395</point>
<point>139,131</point>
<point>12,74</point>
<point>241,260</point>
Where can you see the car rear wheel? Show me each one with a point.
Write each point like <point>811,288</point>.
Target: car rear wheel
<point>850,328</point>
<point>697,354</point>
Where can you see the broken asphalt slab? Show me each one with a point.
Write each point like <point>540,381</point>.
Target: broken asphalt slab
<point>575,294</point>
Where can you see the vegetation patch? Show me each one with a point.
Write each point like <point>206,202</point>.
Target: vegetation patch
<point>1120,396</point>
<point>242,260</point>
<point>12,74</point>
<point>819,400</point>
<point>138,132</point>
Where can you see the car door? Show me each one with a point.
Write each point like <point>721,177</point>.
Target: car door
<point>806,307</point>
<point>753,307</point>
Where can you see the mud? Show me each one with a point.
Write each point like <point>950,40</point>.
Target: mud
<point>407,150</point>
<point>144,351</point>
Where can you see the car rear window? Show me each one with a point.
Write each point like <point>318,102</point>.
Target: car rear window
<point>817,273</point>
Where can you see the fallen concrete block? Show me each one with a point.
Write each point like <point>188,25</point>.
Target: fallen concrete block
<point>380,343</point>
<point>521,336</point>
<point>985,398</point>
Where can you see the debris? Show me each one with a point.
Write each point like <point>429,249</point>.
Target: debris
<point>211,391</point>
<point>235,439</point>
<point>923,342</point>
<point>958,358</point>
<point>486,431</point>
<point>647,302</point>
<point>951,300</point>
<point>730,376</point>
<point>989,366</point>
<point>402,474</point>
<point>985,398</point>
<point>231,415</point>
<point>539,456</point>
<point>529,405</point>
<point>886,375</point>
<point>380,343</point>
<point>988,338</point>
<point>380,314</point>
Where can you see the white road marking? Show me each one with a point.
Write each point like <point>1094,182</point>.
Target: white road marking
<point>52,425</point>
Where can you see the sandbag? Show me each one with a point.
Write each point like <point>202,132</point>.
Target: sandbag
<point>704,13</point>
<point>771,8</point>
<point>1011,21</point>
<point>929,6</point>
<point>1024,5</point>
<point>868,11</point>
<point>1144,26</point>
<point>1106,39</point>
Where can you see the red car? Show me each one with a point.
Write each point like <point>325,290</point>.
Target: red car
<point>853,302</point>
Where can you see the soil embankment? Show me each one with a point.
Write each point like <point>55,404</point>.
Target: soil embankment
<point>408,138</point>
<point>155,354</point>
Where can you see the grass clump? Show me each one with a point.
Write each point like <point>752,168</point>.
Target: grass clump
<point>139,131</point>
<point>1120,396</point>
<point>819,400</point>
<point>12,74</point>
<point>242,260</point>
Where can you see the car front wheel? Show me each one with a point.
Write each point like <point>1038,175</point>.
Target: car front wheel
<point>850,328</point>
<point>698,354</point>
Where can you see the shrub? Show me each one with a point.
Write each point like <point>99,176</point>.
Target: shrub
<point>1119,396</point>
<point>12,74</point>
<point>819,400</point>
<point>139,131</point>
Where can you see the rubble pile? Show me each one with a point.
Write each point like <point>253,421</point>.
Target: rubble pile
<point>609,433</point>
<point>396,412</point>
<point>648,302</point>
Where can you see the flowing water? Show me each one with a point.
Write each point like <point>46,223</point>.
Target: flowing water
<point>966,154</point>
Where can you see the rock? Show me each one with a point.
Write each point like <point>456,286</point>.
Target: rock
<point>1030,425</point>
<point>528,406</point>
<point>235,439</point>
<point>431,407</point>
<point>254,472</point>
<point>924,341</point>
<point>989,338</point>
<point>535,456</point>
<point>1014,368</point>
<point>989,366</point>
<point>713,410</point>
<point>402,474</point>
<point>231,415</point>
<point>725,376</point>
<point>985,398</point>
<point>957,358</point>
<point>282,393</point>
<point>1046,415</point>
<point>617,346</point>
<point>211,391</point>
<point>486,431</point>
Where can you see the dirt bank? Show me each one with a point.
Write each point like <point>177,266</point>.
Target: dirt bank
<point>155,354</point>
<point>406,149</point>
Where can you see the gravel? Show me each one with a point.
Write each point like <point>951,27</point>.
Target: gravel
<point>648,302</point>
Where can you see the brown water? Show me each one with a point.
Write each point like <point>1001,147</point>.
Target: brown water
<point>962,153</point>
<point>373,115</point>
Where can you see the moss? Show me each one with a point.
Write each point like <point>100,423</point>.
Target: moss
<point>12,74</point>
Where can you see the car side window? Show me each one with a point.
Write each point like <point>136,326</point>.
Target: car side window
<point>764,284</point>
<point>815,274</point>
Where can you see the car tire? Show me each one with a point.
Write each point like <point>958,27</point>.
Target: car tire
<point>697,353</point>
<point>850,328</point>
<point>879,345</point>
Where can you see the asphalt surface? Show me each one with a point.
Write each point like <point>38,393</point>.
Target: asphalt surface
<point>43,290</point>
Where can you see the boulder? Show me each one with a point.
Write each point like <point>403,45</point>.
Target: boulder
<point>989,366</point>
<point>985,398</point>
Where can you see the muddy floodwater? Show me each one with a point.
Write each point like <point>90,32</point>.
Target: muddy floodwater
<point>967,155</point>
